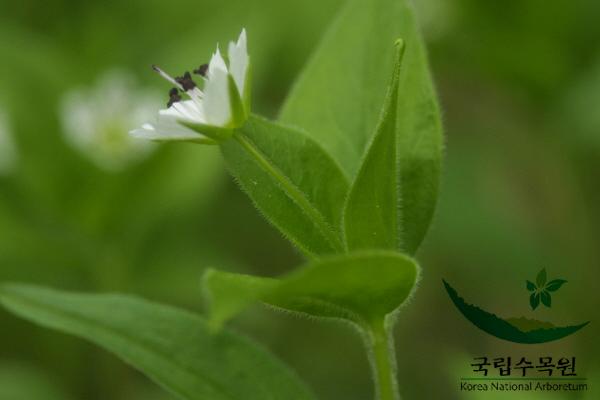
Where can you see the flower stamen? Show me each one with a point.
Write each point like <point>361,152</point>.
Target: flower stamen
<point>186,81</point>
<point>201,70</point>
<point>212,104</point>
<point>168,77</point>
<point>174,97</point>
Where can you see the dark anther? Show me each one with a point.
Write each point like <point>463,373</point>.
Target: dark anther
<point>201,70</point>
<point>174,97</point>
<point>186,81</point>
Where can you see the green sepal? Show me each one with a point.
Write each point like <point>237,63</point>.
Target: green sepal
<point>239,114</point>
<point>236,104</point>
<point>215,133</point>
<point>530,286</point>
<point>199,140</point>
<point>247,97</point>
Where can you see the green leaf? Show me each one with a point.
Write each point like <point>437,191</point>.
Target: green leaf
<point>541,278</point>
<point>531,286</point>
<point>371,217</point>
<point>534,300</point>
<point>338,100</point>
<point>554,285</point>
<point>546,298</point>
<point>359,287</point>
<point>171,346</point>
<point>296,185</point>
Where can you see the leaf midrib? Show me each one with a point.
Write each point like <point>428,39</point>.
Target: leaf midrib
<point>291,190</point>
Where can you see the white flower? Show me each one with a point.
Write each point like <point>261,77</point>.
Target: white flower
<point>96,120</point>
<point>8,150</point>
<point>208,115</point>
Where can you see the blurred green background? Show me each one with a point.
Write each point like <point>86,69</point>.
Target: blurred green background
<point>89,210</point>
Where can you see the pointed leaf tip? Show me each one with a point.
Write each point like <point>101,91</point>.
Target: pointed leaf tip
<point>371,212</point>
<point>400,44</point>
<point>530,286</point>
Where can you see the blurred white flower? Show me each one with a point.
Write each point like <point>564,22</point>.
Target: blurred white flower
<point>8,150</point>
<point>96,120</point>
<point>209,114</point>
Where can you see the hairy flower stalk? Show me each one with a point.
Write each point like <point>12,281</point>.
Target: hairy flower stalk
<point>208,114</point>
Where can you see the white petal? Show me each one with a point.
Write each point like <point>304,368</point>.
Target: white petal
<point>168,126</point>
<point>216,64</point>
<point>165,130</point>
<point>216,98</point>
<point>238,61</point>
<point>188,110</point>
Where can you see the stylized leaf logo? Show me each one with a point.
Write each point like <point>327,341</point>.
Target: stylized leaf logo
<point>531,286</point>
<point>555,284</point>
<point>546,298</point>
<point>541,278</point>
<point>534,300</point>
<point>541,290</point>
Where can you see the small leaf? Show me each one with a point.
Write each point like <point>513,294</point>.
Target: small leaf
<point>292,181</point>
<point>371,215</point>
<point>546,298</point>
<point>534,300</point>
<point>358,287</point>
<point>171,346</point>
<point>541,278</point>
<point>531,286</point>
<point>554,285</point>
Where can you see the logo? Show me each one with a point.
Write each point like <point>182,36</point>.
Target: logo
<point>519,329</point>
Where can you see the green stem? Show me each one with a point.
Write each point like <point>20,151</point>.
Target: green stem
<point>382,357</point>
<point>291,190</point>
